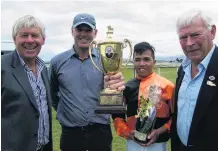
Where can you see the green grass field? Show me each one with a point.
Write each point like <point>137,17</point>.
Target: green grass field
<point>118,142</point>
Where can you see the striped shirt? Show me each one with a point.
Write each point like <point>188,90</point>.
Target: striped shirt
<point>39,91</point>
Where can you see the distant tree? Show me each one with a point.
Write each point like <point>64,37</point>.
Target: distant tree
<point>177,59</point>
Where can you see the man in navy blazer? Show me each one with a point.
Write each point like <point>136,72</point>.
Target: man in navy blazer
<point>195,122</point>
<point>25,92</point>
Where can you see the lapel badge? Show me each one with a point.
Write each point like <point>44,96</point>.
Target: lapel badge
<point>211,78</point>
<point>210,83</point>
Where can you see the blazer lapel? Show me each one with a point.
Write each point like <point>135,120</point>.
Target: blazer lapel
<point>22,78</point>
<point>49,100</point>
<point>179,78</point>
<point>206,92</point>
<point>47,85</point>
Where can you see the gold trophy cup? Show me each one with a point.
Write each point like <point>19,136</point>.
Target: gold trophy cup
<point>111,54</point>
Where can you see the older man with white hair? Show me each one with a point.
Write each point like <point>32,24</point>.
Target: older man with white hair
<point>25,92</point>
<point>194,123</point>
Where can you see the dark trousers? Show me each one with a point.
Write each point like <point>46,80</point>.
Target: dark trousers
<point>96,137</point>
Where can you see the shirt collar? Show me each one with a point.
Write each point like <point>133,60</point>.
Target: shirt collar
<point>39,62</point>
<point>21,59</point>
<point>73,52</point>
<point>145,78</point>
<point>204,62</point>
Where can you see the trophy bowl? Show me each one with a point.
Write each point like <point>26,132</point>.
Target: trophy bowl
<point>111,54</point>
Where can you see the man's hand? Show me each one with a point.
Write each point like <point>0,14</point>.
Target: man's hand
<point>114,81</point>
<point>131,135</point>
<point>153,136</point>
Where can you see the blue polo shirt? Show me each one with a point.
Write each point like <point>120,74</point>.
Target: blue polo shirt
<point>77,84</point>
<point>188,94</point>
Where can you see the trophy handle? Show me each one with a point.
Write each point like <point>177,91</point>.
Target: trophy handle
<point>130,46</point>
<point>90,54</point>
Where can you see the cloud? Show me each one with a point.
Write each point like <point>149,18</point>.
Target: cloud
<point>152,21</point>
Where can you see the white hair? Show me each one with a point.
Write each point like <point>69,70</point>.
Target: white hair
<point>28,21</point>
<point>190,16</point>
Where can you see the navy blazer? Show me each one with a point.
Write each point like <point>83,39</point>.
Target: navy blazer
<point>19,112</point>
<point>203,135</point>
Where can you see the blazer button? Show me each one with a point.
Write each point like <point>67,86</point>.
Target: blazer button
<point>36,134</point>
<point>37,115</point>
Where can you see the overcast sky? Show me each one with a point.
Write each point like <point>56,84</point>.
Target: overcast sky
<point>151,21</point>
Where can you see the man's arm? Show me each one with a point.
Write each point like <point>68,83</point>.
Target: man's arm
<point>120,123</point>
<point>54,86</point>
<point>121,126</point>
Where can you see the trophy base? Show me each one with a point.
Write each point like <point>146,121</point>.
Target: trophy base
<point>141,137</point>
<point>110,109</point>
<point>110,101</point>
<point>111,97</point>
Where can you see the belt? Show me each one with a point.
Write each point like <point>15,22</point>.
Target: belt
<point>87,127</point>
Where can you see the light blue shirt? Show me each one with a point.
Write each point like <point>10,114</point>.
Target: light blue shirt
<point>77,84</point>
<point>188,94</point>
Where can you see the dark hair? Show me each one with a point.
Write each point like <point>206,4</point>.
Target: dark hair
<point>141,47</point>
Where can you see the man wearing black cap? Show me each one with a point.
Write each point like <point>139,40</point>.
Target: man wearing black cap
<point>75,85</point>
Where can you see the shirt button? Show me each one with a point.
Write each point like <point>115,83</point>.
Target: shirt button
<point>87,112</point>
<point>84,86</point>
